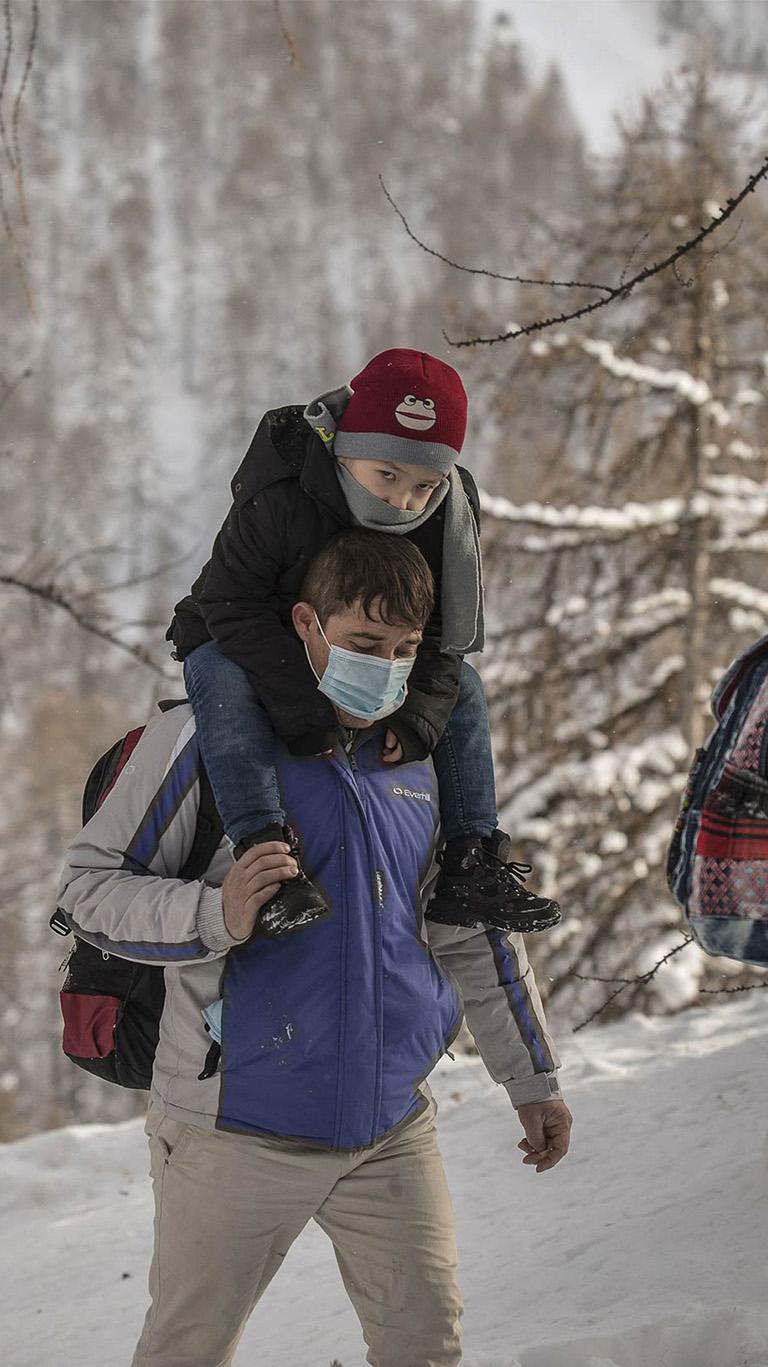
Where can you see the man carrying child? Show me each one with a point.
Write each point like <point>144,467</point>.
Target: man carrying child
<point>320,1108</point>
<point>381,453</point>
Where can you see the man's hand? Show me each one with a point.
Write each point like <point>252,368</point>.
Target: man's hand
<point>547,1126</point>
<point>392,750</point>
<point>251,882</point>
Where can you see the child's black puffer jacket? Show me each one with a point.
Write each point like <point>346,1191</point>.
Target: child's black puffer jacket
<point>287,506</point>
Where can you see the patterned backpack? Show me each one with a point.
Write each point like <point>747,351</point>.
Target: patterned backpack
<point>717,864</point>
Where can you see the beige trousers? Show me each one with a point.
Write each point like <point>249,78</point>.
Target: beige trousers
<point>228,1207</point>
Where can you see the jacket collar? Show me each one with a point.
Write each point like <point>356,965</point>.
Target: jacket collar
<point>285,447</point>
<point>318,479</point>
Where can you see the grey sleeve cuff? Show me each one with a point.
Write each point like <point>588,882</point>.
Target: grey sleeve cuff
<point>210,922</point>
<point>540,1087</point>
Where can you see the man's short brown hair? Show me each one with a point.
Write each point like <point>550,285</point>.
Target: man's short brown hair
<point>367,567</point>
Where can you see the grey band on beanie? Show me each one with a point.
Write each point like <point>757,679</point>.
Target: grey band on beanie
<point>400,450</point>
<point>323,415</point>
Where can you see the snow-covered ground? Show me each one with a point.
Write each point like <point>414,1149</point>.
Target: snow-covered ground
<point>645,1248</point>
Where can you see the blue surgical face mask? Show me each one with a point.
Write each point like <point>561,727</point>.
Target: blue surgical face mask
<point>362,685</point>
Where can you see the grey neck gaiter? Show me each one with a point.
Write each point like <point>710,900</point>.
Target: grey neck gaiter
<point>370,511</point>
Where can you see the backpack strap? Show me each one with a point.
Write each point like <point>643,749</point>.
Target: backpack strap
<point>208,832</point>
<point>735,675</point>
<point>209,828</point>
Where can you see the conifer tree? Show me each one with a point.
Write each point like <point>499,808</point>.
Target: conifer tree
<point>627,570</point>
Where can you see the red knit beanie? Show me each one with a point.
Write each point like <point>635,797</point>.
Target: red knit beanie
<point>406,407</point>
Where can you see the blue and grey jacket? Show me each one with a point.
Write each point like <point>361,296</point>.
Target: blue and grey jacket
<point>327,1035</point>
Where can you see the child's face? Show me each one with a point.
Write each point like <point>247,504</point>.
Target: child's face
<point>406,487</point>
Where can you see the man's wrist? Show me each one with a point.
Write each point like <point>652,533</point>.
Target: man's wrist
<point>540,1087</point>
<point>211,926</point>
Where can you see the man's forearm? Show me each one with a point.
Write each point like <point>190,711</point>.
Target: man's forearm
<point>502,1008</point>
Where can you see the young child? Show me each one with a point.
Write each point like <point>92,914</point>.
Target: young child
<point>380,453</point>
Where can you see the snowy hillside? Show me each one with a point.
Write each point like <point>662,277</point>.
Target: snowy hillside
<point>612,52</point>
<point>646,1248</point>
<point>608,51</point>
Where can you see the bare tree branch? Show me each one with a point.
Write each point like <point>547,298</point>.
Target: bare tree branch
<point>718,991</point>
<point>12,149</point>
<point>136,578</point>
<point>479,270</point>
<point>641,980</point>
<point>86,554</point>
<point>12,385</point>
<point>643,238</point>
<point>48,593</point>
<point>17,113</point>
<point>621,291</point>
<point>294,56</point>
<point>8,18</point>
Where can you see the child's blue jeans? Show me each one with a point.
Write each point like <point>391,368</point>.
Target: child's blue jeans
<point>237,743</point>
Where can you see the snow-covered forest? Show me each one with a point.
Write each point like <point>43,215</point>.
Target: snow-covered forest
<point>193,229</point>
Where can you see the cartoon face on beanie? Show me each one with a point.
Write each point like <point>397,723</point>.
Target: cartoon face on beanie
<point>406,407</point>
<point>418,414</point>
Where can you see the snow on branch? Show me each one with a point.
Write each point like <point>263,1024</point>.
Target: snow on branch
<point>505,677</point>
<point>753,541</point>
<point>653,610</point>
<point>675,380</point>
<point>662,598</point>
<point>743,595</point>
<point>687,386</point>
<point>738,486</point>
<point>630,517</point>
<point>737,501</point>
<point>647,773</point>
<point>635,701</point>
<point>741,505</point>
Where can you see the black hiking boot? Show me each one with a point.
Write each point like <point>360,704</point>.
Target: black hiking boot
<point>298,902</point>
<point>478,887</point>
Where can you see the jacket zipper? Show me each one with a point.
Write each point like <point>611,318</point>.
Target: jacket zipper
<point>377,937</point>
<point>342,983</point>
<point>356,785</point>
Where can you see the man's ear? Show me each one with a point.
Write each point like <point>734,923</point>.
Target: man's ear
<point>303,618</point>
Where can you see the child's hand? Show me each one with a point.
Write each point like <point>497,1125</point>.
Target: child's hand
<point>251,882</point>
<point>392,750</point>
